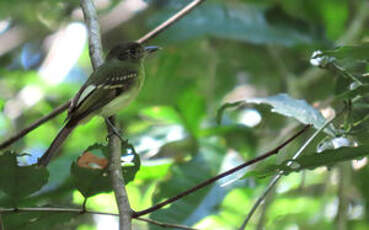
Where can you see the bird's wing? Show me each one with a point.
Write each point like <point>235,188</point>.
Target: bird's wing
<point>97,92</point>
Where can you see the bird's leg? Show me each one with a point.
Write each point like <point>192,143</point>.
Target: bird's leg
<point>115,130</point>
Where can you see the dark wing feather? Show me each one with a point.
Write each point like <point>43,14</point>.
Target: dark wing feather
<point>93,97</point>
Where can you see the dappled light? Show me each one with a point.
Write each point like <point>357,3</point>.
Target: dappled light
<point>201,114</point>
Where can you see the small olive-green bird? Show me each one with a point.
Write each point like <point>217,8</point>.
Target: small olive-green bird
<point>111,87</point>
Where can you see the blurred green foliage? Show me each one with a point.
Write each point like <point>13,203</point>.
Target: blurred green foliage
<point>237,54</point>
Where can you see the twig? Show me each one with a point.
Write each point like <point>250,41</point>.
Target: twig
<point>187,9</point>
<point>279,175</point>
<point>34,125</point>
<point>93,28</point>
<point>219,176</point>
<point>344,176</point>
<point>143,39</point>
<point>81,211</point>
<point>115,168</point>
<point>261,221</point>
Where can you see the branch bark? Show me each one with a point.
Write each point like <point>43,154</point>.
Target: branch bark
<point>96,55</point>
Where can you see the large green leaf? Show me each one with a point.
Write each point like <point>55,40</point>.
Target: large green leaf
<point>290,107</point>
<point>286,106</point>
<point>20,181</point>
<point>314,160</point>
<point>230,20</point>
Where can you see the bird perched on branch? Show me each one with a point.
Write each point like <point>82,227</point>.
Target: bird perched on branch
<point>111,87</point>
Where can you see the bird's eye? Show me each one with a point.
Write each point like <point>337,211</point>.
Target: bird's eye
<point>133,52</point>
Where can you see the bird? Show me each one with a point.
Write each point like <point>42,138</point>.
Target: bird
<point>111,87</point>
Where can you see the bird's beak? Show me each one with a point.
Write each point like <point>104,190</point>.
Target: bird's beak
<point>151,49</point>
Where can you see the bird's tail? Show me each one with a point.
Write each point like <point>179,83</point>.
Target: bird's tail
<point>57,143</point>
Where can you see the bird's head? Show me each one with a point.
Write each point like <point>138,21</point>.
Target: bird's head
<point>130,51</point>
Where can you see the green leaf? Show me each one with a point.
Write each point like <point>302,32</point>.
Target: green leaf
<point>314,160</point>
<point>298,109</point>
<point>356,52</point>
<point>20,181</point>
<point>162,113</point>
<point>235,21</point>
<point>361,90</point>
<point>90,181</point>
<point>153,169</point>
<point>222,109</point>
<point>93,179</point>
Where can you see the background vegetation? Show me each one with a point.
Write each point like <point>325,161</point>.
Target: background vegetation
<point>255,53</point>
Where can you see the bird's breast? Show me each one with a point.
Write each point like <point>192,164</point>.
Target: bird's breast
<point>125,98</point>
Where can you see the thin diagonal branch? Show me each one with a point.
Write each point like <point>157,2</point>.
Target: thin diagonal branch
<point>279,175</point>
<point>219,176</point>
<point>159,29</point>
<point>82,211</point>
<point>187,9</point>
<point>96,55</point>
<point>34,125</point>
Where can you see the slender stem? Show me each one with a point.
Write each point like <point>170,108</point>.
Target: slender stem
<point>34,125</point>
<point>187,9</point>
<point>279,175</point>
<point>81,211</point>
<point>344,175</point>
<point>262,218</point>
<point>219,176</point>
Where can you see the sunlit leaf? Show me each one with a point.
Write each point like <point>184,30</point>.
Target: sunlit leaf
<point>290,107</point>
<point>153,169</point>
<point>162,113</point>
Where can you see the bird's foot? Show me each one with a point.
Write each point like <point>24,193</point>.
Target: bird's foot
<point>114,131</point>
